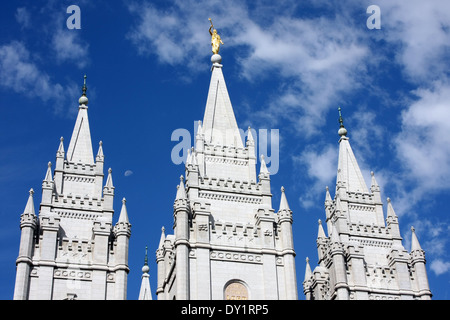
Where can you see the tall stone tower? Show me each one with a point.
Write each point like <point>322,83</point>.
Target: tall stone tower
<point>363,257</point>
<point>72,250</point>
<point>228,241</point>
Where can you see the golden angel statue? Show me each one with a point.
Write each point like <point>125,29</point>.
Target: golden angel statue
<point>215,39</point>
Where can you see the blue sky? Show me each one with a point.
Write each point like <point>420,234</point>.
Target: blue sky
<point>288,66</point>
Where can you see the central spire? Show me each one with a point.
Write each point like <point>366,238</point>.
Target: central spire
<point>219,122</point>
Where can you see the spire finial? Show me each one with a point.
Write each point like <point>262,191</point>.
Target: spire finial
<point>342,131</point>
<point>145,268</point>
<point>84,86</point>
<point>146,257</point>
<point>83,99</point>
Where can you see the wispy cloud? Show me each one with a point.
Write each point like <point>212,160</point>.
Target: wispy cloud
<point>68,47</point>
<point>420,33</point>
<point>440,267</point>
<point>422,145</point>
<point>26,71</point>
<point>320,167</point>
<point>21,74</point>
<point>23,17</point>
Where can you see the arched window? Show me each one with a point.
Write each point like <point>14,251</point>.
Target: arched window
<point>236,290</point>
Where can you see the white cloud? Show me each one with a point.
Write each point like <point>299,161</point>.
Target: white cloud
<point>440,267</point>
<point>421,32</point>
<point>21,74</point>
<point>174,35</point>
<point>368,132</point>
<point>68,46</point>
<point>423,144</point>
<point>23,17</point>
<point>321,168</point>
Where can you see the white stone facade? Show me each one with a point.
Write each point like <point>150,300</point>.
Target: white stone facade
<point>71,250</point>
<point>228,241</point>
<point>363,257</point>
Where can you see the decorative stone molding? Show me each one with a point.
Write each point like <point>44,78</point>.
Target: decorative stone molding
<point>236,257</point>
<point>229,197</point>
<point>72,274</point>
<point>79,179</point>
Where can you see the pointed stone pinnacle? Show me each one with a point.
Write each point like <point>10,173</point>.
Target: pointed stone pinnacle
<point>327,195</point>
<point>263,168</point>
<point>123,217</point>
<point>60,151</point>
<point>308,272</point>
<point>283,202</point>
<point>162,238</point>
<point>415,245</point>
<point>48,174</point>
<point>29,208</point>
<point>321,232</point>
